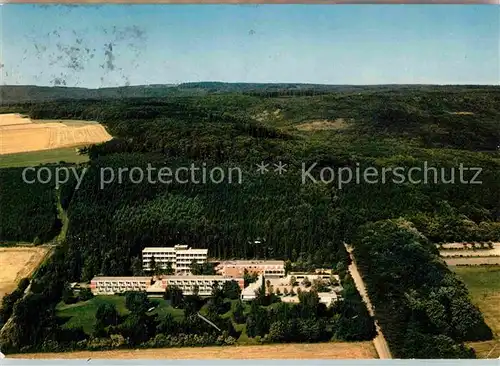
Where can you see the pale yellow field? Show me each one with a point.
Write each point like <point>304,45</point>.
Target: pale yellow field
<point>338,124</point>
<point>332,350</point>
<point>19,134</point>
<point>11,119</point>
<point>16,263</point>
<point>470,261</point>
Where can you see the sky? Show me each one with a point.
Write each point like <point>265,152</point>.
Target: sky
<point>114,45</point>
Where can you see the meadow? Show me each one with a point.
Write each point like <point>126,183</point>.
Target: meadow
<point>82,314</point>
<point>34,158</point>
<point>483,283</point>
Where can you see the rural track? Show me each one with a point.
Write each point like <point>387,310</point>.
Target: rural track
<point>470,256</point>
<point>379,341</point>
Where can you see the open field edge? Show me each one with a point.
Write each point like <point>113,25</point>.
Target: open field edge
<point>331,350</point>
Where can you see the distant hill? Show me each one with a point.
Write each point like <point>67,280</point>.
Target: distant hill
<point>10,94</point>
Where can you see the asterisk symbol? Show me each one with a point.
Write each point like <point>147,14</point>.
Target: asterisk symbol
<point>262,168</point>
<point>280,168</point>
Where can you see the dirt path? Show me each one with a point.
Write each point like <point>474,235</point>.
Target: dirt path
<point>379,341</point>
<point>332,350</point>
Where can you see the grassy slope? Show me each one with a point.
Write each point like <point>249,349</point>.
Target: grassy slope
<point>82,314</point>
<point>483,283</point>
<point>34,158</point>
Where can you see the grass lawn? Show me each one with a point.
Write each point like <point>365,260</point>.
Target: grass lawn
<point>243,339</point>
<point>68,122</point>
<point>82,314</point>
<point>163,308</point>
<point>483,283</point>
<point>34,158</point>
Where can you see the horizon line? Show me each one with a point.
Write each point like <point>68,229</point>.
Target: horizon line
<point>257,2</point>
<point>173,85</point>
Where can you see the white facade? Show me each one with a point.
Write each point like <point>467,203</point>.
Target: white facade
<point>180,257</point>
<point>116,285</point>
<point>248,292</point>
<point>301,276</point>
<point>154,285</point>
<point>187,283</point>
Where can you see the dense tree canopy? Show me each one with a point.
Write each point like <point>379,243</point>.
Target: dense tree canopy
<point>272,215</point>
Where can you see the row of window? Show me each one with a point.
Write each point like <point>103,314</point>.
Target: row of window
<point>174,259</point>
<point>264,267</point>
<point>107,288</point>
<point>174,254</point>
<point>187,282</point>
<point>119,283</point>
<point>274,271</point>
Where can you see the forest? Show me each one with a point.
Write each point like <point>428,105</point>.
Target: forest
<point>274,215</point>
<point>28,211</point>
<point>422,306</point>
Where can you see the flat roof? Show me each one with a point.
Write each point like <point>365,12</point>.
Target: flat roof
<point>127,278</point>
<point>191,277</point>
<point>171,250</point>
<point>252,262</point>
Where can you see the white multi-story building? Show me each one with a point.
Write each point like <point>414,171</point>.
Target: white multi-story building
<point>187,283</point>
<point>116,285</point>
<point>179,256</point>
<point>155,286</point>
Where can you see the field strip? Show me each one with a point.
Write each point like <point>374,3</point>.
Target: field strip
<point>8,119</point>
<point>331,350</point>
<point>17,263</point>
<point>472,261</point>
<point>19,134</point>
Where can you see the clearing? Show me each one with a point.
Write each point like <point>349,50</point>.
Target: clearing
<point>331,350</point>
<point>483,283</point>
<point>20,134</point>
<point>17,263</point>
<point>338,124</point>
<point>462,113</point>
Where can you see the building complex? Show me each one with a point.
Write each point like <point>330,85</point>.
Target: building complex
<point>288,287</point>
<point>271,275</point>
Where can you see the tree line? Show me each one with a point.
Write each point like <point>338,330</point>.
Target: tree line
<point>423,308</point>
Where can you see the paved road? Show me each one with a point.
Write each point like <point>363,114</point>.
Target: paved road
<point>379,341</point>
